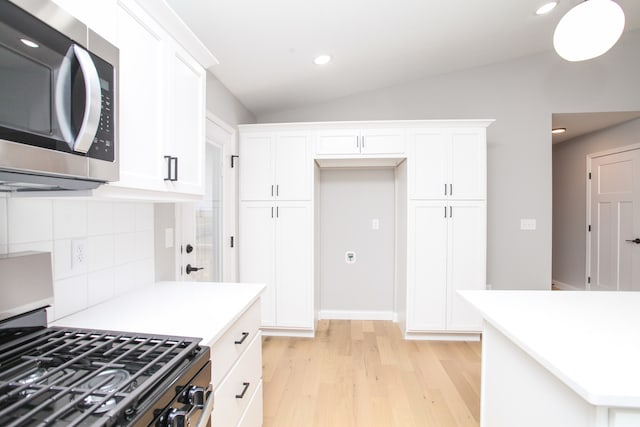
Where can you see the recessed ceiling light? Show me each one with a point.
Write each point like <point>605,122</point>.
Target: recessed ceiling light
<point>322,59</point>
<point>29,43</point>
<point>546,8</point>
<point>558,130</point>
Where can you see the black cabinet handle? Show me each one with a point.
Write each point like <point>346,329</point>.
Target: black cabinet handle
<point>244,390</point>
<point>244,337</point>
<point>636,241</point>
<point>172,168</point>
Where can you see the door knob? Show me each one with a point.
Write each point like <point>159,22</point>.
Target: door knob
<point>190,268</point>
<point>636,241</point>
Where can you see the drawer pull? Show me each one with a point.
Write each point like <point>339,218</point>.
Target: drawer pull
<point>244,390</point>
<point>244,337</point>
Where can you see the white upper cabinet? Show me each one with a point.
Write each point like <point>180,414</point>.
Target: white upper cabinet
<point>448,163</point>
<point>275,166</point>
<point>162,108</point>
<point>100,16</point>
<point>341,142</point>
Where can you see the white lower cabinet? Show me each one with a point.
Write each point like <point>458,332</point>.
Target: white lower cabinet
<point>276,249</point>
<point>446,253</point>
<point>236,364</point>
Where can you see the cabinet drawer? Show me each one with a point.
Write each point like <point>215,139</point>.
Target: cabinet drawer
<point>225,351</point>
<point>243,380</point>
<point>253,415</point>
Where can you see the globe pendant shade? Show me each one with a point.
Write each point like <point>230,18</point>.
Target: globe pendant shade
<point>588,30</point>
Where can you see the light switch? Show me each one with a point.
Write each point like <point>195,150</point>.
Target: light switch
<point>527,224</point>
<point>375,224</point>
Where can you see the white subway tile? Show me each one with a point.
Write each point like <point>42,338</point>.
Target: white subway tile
<point>101,252</point>
<point>144,217</point>
<point>144,245</point>
<point>70,295</point>
<point>100,286</point>
<point>30,220</point>
<point>145,273</point>
<point>124,278</point>
<point>124,217</point>
<point>125,248</point>
<point>100,218</point>
<point>69,219</point>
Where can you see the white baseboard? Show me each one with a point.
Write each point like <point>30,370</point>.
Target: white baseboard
<point>443,336</point>
<point>565,286</point>
<point>356,315</point>
<point>279,332</point>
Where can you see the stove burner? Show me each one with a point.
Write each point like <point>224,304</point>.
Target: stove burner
<point>117,377</point>
<point>35,378</point>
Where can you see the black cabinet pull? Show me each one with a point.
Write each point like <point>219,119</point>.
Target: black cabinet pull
<point>172,168</point>
<point>445,189</point>
<point>169,174</point>
<point>244,390</point>
<point>191,269</point>
<point>244,337</point>
<point>636,241</point>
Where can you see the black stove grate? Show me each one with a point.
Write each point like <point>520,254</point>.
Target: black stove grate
<point>74,377</point>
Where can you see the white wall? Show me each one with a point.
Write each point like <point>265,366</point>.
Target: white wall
<point>119,245</point>
<point>225,105</point>
<point>521,95</point>
<point>569,197</point>
<point>349,200</point>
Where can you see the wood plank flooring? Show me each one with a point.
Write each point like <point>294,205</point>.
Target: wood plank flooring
<point>363,373</point>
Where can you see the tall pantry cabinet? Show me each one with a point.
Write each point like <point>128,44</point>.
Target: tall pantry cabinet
<point>447,218</point>
<point>276,225</point>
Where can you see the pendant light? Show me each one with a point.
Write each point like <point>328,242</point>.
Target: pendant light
<point>589,30</point>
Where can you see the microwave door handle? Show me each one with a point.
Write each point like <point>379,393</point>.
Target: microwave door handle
<point>93,101</point>
<point>62,98</point>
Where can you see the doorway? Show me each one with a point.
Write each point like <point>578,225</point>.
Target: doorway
<point>613,236</point>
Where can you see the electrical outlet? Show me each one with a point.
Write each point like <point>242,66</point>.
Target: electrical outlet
<point>527,224</point>
<point>375,224</point>
<point>78,253</point>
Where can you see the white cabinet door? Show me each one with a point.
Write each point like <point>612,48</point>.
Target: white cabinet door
<point>293,166</point>
<point>293,265</point>
<point>466,262</point>
<point>256,166</point>
<point>142,96</point>
<point>345,141</point>
<point>428,259</point>
<point>429,164</point>
<point>100,16</point>
<point>383,141</point>
<point>257,254</point>
<point>186,120</point>
<point>448,164</point>
<point>468,172</point>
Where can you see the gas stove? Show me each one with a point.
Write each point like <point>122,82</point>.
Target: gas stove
<point>51,376</point>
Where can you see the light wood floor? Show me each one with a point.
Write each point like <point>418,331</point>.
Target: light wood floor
<point>362,373</point>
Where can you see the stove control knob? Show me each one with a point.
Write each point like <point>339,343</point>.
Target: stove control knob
<point>195,396</point>
<point>177,418</point>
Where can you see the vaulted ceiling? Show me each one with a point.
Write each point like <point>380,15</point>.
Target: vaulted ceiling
<point>266,48</point>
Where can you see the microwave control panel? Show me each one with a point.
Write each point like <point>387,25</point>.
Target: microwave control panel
<point>103,146</point>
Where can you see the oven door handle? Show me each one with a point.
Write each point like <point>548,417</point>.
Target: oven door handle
<point>93,101</point>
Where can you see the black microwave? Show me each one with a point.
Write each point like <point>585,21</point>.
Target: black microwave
<point>58,102</point>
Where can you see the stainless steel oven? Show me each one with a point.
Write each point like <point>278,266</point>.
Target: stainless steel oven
<point>58,109</point>
<point>84,377</point>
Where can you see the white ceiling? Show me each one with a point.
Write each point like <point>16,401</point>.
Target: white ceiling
<point>578,124</point>
<point>266,47</point>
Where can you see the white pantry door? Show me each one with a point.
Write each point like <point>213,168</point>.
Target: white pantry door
<point>615,222</point>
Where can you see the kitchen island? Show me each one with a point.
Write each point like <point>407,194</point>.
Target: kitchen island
<point>558,358</point>
<point>225,315</point>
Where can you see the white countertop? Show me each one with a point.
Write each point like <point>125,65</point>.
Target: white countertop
<point>589,340</point>
<point>204,310</point>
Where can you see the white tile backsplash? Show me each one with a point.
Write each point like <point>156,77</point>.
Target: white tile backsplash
<point>124,217</point>
<point>119,245</point>
<point>100,218</point>
<point>125,248</point>
<point>100,286</point>
<point>70,295</point>
<point>101,252</point>
<point>29,220</point>
<point>69,219</point>
<point>144,217</point>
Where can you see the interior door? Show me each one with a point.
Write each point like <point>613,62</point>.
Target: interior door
<point>615,222</point>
